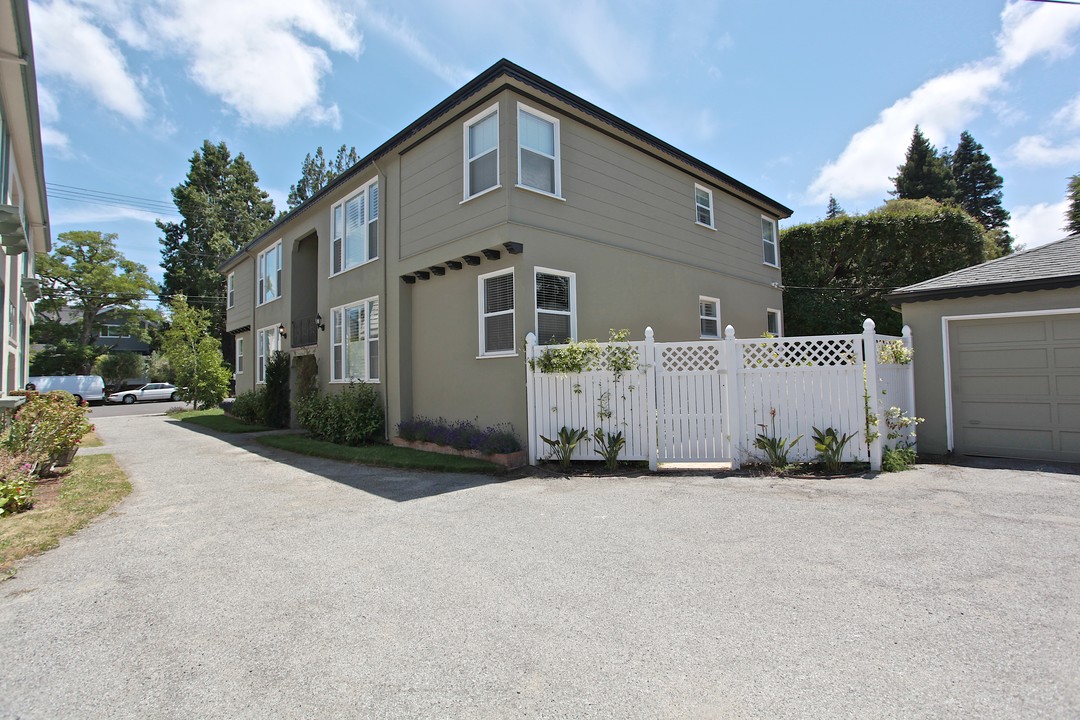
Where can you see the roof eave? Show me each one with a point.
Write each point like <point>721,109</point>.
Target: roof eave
<point>951,293</point>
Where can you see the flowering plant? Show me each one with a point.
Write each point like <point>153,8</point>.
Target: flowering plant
<point>16,483</point>
<point>47,426</point>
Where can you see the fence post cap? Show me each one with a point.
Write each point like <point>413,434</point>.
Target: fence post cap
<point>868,325</point>
<point>906,332</point>
<point>649,332</point>
<point>530,339</point>
<point>729,332</point>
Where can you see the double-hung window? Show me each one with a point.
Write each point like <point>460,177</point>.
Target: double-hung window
<point>354,342</point>
<point>239,354</point>
<point>496,297</point>
<point>267,342</point>
<point>270,273</point>
<point>703,206</point>
<point>482,152</point>
<point>354,228</point>
<point>556,320</point>
<point>230,290</point>
<point>538,151</point>
<point>768,242</point>
<point>709,317</point>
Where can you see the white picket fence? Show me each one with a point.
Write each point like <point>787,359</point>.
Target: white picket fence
<point>706,401</point>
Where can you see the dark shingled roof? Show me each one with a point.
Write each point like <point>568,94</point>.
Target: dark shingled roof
<point>1056,265</point>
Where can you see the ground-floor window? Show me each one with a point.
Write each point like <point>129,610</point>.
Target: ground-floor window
<point>267,342</point>
<point>709,317</point>
<point>354,341</point>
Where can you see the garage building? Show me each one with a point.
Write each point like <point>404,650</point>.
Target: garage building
<point>997,355</point>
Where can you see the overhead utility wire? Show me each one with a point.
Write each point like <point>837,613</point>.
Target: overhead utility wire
<point>101,193</point>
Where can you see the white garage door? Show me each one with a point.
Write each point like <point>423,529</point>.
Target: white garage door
<point>1016,386</point>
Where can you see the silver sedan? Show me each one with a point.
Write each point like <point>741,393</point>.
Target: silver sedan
<point>148,392</point>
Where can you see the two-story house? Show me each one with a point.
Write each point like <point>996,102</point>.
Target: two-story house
<point>24,213</point>
<point>511,207</point>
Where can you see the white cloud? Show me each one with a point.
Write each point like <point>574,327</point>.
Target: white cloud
<point>1069,116</point>
<point>256,55</point>
<point>1034,225</point>
<point>612,52</point>
<point>399,32</point>
<point>70,46</point>
<point>945,104</point>
<point>49,113</point>
<point>1038,150</point>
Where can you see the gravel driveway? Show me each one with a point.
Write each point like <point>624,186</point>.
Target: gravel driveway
<point>239,582</point>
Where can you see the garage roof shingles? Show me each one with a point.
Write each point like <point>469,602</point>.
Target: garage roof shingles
<point>1054,265</point>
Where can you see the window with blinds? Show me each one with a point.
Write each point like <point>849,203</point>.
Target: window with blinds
<point>555,312</point>
<point>538,151</point>
<point>768,242</point>
<point>709,316</point>
<point>497,313</point>
<point>354,229</point>
<point>354,342</point>
<point>269,272</point>
<point>482,152</point>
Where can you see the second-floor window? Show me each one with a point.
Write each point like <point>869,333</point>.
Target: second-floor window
<point>768,242</point>
<point>703,202</point>
<point>355,229</point>
<point>555,313</point>
<point>538,151</point>
<point>354,341</point>
<point>482,152</point>
<point>270,273</point>
<point>230,290</point>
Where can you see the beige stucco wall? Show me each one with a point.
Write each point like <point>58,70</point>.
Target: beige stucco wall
<point>925,320</point>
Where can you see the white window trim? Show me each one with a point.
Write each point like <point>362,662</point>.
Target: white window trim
<point>779,320</point>
<point>239,354</point>
<point>259,302</point>
<point>482,115</point>
<point>481,315</point>
<point>558,195</point>
<point>712,207</point>
<point>573,300</point>
<point>367,342</point>
<point>362,190</point>
<point>260,359</point>
<point>230,290</point>
<point>775,243</point>
<point>719,327</point>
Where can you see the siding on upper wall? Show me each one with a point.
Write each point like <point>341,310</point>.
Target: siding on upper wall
<point>240,314</point>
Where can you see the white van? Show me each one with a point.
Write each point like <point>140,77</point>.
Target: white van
<point>90,388</point>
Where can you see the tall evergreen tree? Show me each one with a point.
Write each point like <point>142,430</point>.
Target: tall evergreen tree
<point>834,210</point>
<point>1072,212</point>
<point>222,209</point>
<point>978,189</point>
<point>924,173</point>
<point>316,173</point>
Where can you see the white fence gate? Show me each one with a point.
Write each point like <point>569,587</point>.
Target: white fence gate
<point>706,401</point>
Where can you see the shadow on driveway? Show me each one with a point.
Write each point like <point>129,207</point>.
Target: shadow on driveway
<point>393,484</point>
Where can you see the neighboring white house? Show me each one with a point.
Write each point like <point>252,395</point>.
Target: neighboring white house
<point>24,213</point>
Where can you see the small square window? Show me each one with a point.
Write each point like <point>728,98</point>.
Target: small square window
<point>709,317</point>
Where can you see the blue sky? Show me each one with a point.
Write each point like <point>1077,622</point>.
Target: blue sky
<point>798,100</point>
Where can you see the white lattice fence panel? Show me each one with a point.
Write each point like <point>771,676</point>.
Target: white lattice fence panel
<point>591,400</point>
<point>826,351</point>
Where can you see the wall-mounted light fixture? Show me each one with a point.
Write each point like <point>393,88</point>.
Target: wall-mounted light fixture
<point>281,330</point>
<point>318,322</point>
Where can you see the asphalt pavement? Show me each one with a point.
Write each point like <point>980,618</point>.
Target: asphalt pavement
<point>240,582</point>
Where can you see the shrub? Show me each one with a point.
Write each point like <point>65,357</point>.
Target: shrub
<point>351,417</point>
<point>16,483</point>
<point>897,459</point>
<point>47,426</point>
<point>276,396</point>
<point>250,407</point>
<point>461,435</point>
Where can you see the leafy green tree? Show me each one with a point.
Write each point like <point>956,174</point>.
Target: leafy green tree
<point>223,209</point>
<point>316,173</point>
<point>837,272</point>
<point>924,173</point>
<point>158,368</point>
<point>1072,212</point>
<point>114,368</point>
<point>833,210</point>
<point>195,355</point>
<point>978,189</point>
<point>87,274</point>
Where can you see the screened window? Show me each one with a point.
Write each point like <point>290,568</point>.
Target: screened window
<point>497,313</point>
<point>775,323</point>
<point>267,342</point>
<point>709,316</point>
<point>230,289</point>
<point>482,152</point>
<point>239,355</point>
<point>354,342</point>
<point>768,242</point>
<point>556,320</point>
<point>354,228</point>
<point>270,274</point>
<point>703,201</point>
<point>538,151</point>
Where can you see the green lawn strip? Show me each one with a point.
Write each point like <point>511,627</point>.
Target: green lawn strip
<point>380,455</point>
<point>91,439</point>
<point>94,484</point>
<point>216,419</point>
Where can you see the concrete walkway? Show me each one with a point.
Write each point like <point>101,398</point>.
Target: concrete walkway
<point>238,582</point>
